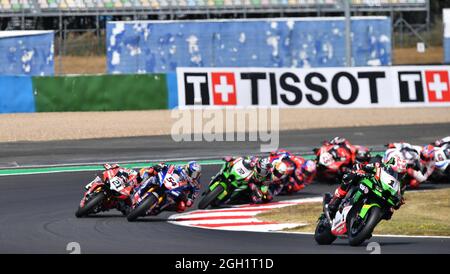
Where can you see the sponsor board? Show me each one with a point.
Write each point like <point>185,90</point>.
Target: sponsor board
<point>446,19</point>
<point>362,87</point>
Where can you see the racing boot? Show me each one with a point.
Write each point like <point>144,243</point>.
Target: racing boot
<point>414,183</point>
<point>181,206</point>
<point>333,205</point>
<point>297,187</point>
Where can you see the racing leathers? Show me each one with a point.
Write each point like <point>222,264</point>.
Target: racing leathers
<point>418,169</point>
<point>344,143</point>
<point>128,177</point>
<point>301,173</point>
<point>353,178</point>
<point>260,192</point>
<point>187,198</point>
<point>421,173</point>
<point>259,187</point>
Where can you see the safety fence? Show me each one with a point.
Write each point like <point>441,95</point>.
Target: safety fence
<point>363,87</point>
<point>162,46</point>
<point>26,53</point>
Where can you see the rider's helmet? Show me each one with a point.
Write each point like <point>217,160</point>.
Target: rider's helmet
<point>249,162</point>
<point>279,170</point>
<point>337,140</point>
<point>427,153</point>
<point>363,155</point>
<point>193,170</point>
<point>263,168</point>
<point>309,168</point>
<point>113,166</point>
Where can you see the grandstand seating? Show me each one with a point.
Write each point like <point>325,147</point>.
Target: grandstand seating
<point>44,5</point>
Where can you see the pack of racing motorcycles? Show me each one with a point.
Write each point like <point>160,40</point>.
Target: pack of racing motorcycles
<point>370,187</point>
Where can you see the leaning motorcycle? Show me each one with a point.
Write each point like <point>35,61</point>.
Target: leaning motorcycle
<point>331,162</point>
<point>361,210</point>
<point>103,195</point>
<point>157,193</point>
<point>230,184</point>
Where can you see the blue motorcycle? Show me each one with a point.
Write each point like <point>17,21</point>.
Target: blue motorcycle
<point>157,193</point>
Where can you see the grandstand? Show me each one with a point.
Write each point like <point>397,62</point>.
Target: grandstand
<point>66,16</point>
<point>133,7</point>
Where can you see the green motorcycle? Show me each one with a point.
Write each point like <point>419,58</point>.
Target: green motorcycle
<point>364,206</point>
<point>230,184</point>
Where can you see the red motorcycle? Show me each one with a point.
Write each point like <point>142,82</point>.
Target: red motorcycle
<point>334,160</point>
<point>103,194</point>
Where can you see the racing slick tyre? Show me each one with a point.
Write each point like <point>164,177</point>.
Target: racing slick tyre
<point>323,235</point>
<point>360,230</point>
<point>90,205</point>
<point>139,211</point>
<point>210,197</point>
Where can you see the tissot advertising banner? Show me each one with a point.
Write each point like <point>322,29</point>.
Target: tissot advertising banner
<point>362,87</point>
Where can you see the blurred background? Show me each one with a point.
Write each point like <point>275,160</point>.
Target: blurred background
<point>80,29</point>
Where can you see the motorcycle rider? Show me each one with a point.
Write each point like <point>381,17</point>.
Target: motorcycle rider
<point>359,172</point>
<point>420,160</point>
<point>441,142</point>
<point>344,143</point>
<point>425,167</point>
<point>260,182</point>
<point>363,155</point>
<point>128,177</point>
<point>189,173</point>
<point>302,173</point>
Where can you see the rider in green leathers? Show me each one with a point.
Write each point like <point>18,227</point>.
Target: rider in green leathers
<point>360,171</point>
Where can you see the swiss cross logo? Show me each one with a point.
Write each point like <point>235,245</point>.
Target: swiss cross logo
<point>437,86</point>
<point>224,88</point>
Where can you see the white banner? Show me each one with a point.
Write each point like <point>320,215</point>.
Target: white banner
<point>362,87</point>
<point>446,17</point>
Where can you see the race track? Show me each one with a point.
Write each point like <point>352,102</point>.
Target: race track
<point>37,211</point>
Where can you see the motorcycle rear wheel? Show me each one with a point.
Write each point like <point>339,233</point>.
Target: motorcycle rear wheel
<point>90,205</point>
<point>139,211</point>
<point>210,197</point>
<point>323,235</point>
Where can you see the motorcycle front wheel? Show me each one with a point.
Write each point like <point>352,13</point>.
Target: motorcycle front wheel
<point>360,230</point>
<point>210,197</point>
<point>139,211</point>
<point>90,204</point>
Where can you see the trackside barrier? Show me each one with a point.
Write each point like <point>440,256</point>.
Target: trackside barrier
<point>362,87</point>
<point>100,93</point>
<point>16,94</point>
<point>84,93</point>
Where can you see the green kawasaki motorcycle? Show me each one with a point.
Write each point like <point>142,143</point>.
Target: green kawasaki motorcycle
<point>229,184</point>
<point>362,209</point>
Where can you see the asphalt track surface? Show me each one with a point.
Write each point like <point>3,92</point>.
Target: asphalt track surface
<point>37,211</point>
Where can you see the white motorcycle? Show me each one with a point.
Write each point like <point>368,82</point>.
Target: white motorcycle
<point>442,159</point>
